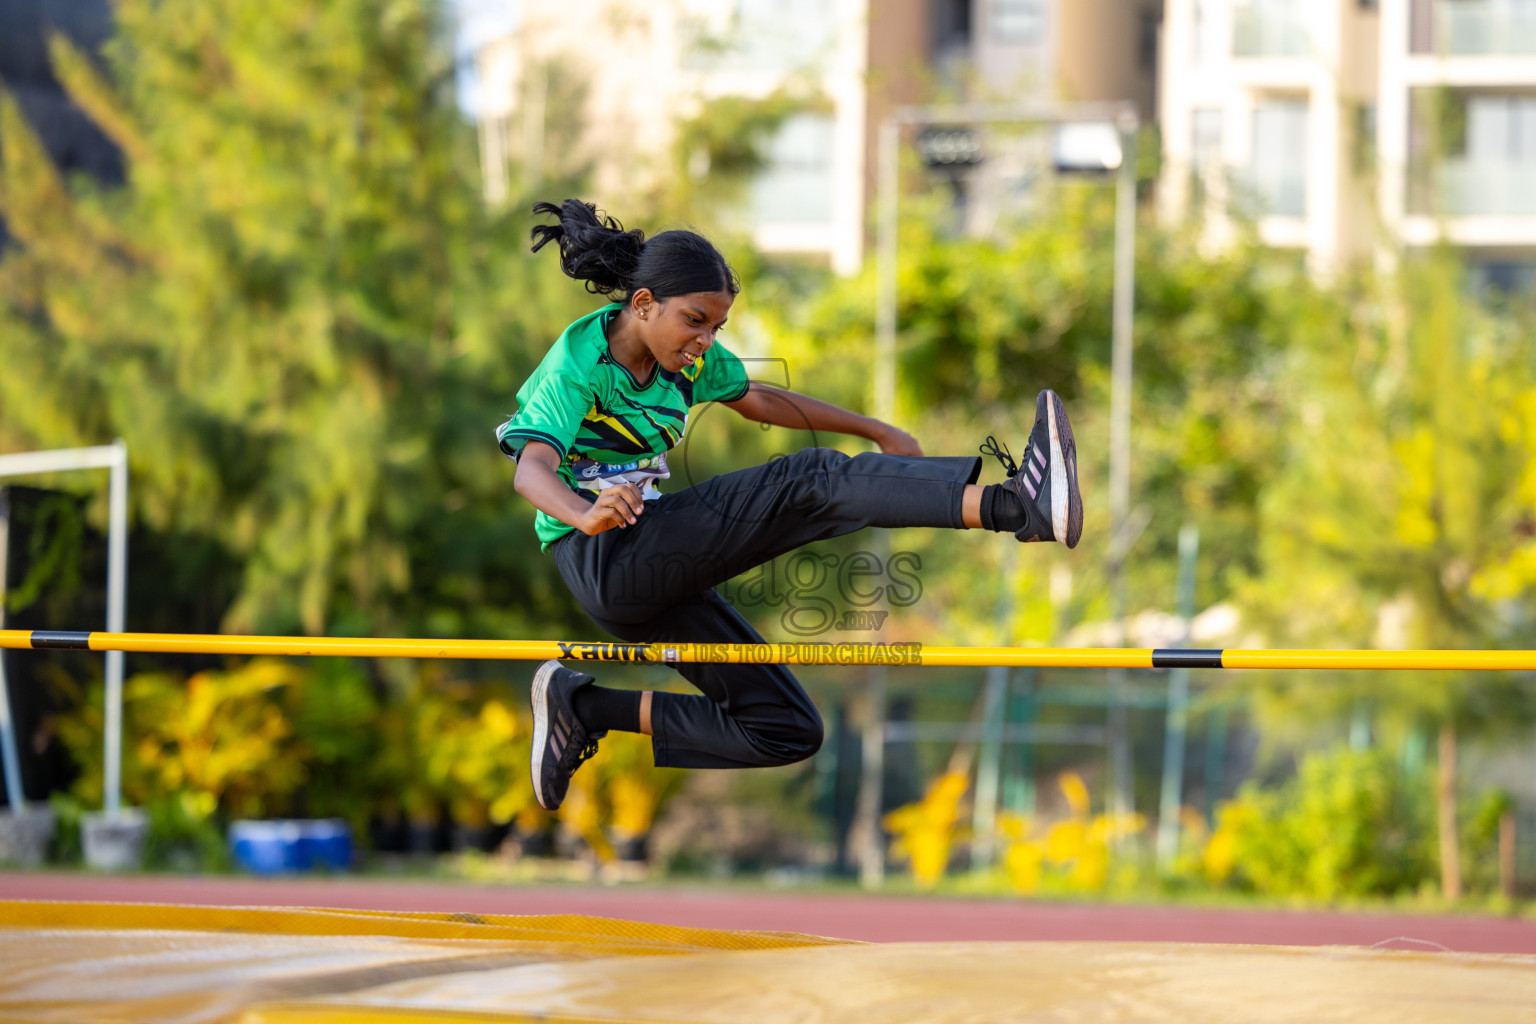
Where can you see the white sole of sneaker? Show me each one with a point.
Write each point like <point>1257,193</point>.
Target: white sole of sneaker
<point>1059,496</point>
<point>540,726</point>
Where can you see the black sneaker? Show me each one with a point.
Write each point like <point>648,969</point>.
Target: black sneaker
<point>560,742</point>
<point>1047,481</point>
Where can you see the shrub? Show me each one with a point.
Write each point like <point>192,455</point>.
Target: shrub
<point>1349,824</point>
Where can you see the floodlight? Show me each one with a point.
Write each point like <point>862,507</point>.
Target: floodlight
<point>949,147</point>
<point>1087,147</point>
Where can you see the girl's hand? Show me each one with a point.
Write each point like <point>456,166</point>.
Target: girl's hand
<point>618,506</point>
<point>895,441</point>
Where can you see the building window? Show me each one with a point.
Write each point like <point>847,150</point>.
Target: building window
<point>796,187</point>
<point>951,25</point>
<point>1269,28</point>
<point>1502,280</point>
<point>1363,151</point>
<point>761,35</point>
<point>1204,153</point>
<point>1207,43</point>
<point>1205,136</point>
<point>1475,26</point>
<point>960,18</point>
<point>1488,167</point>
<point>1501,128</point>
<point>1277,175</point>
<point>1017,22</point>
<point>1148,25</point>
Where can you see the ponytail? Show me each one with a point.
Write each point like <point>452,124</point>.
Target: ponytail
<point>597,250</point>
<point>593,249</point>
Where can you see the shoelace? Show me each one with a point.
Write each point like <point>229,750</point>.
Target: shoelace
<point>995,447</point>
<point>578,757</point>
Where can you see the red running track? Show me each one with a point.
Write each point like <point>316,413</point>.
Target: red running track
<point>851,916</point>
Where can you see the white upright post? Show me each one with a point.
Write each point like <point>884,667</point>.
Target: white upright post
<point>989,768</point>
<point>989,765</point>
<point>113,457</point>
<point>11,762</point>
<point>885,273</point>
<point>1171,799</point>
<point>117,597</point>
<point>867,827</point>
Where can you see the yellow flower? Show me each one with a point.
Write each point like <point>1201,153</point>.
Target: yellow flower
<point>926,829</point>
<point>1066,841</point>
<point>1076,792</point>
<point>1023,866</point>
<point>1220,855</point>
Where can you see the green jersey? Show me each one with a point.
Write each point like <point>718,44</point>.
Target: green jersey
<point>608,427</point>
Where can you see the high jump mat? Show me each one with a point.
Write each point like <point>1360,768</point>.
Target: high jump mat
<point>116,963</point>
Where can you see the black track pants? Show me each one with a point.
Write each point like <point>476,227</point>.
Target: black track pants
<point>653,582</point>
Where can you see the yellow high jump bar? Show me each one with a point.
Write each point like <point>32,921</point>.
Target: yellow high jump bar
<point>767,654</point>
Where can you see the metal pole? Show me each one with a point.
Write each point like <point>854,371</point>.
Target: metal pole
<point>117,591</point>
<point>885,275</point>
<point>1021,800</point>
<point>868,832</point>
<point>1121,798</point>
<point>1215,759</point>
<point>11,762</point>
<point>1172,797</point>
<point>989,766</point>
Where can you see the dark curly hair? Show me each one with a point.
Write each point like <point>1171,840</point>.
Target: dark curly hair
<point>596,249</point>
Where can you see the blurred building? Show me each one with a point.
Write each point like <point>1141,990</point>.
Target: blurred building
<point>1339,124</point>
<point>596,84</point>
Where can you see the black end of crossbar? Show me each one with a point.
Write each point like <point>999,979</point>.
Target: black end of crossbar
<point>54,640</point>
<point>1186,658</point>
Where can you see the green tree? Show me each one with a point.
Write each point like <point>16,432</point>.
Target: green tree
<point>296,311</point>
<point>1401,514</point>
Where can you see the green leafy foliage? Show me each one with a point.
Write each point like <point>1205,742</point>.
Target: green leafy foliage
<point>222,738</point>
<point>472,747</point>
<point>297,311</point>
<point>53,555</point>
<point>1350,824</point>
<point>275,738</point>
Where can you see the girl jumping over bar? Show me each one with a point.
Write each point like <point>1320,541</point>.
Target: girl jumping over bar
<point>590,440</point>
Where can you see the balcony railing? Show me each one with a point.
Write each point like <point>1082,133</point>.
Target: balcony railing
<point>1268,29</point>
<point>1469,28</point>
<point>1487,188</point>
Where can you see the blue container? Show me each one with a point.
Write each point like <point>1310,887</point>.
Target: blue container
<point>288,845</point>
<point>264,847</point>
<point>325,843</point>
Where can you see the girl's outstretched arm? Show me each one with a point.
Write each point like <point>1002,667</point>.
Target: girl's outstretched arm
<point>765,404</point>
